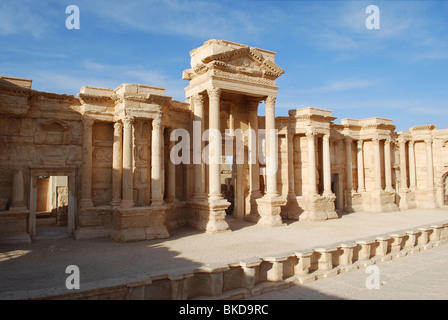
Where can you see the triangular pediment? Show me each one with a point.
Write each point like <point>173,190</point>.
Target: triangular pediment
<point>244,58</point>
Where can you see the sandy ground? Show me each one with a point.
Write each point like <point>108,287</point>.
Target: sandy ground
<point>30,269</point>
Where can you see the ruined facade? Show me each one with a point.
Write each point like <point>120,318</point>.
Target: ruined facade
<point>114,148</point>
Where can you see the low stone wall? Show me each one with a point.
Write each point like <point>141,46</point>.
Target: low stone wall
<point>257,275</point>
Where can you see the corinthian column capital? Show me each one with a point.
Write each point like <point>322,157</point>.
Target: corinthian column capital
<point>214,93</point>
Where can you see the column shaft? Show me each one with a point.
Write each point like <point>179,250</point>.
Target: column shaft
<point>157,162</point>
<point>254,169</point>
<point>171,176</point>
<point>198,145</point>
<point>412,181</point>
<point>377,164</point>
<point>311,164</point>
<point>360,158</point>
<point>403,171</point>
<point>429,164</point>
<point>387,165</point>
<point>326,163</point>
<point>214,143</point>
<point>117,164</point>
<point>348,156</point>
<point>128,175</point>
<point>87,150</point>
<point>271,148</point>
<point>291,182</point>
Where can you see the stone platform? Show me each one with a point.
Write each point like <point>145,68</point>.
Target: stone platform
<point>249,260</point>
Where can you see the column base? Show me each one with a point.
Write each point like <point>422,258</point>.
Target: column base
<point>139,223</point>
<point>293,209</point>
<point>318,208</point>
<point>382,201</point>
<point>406,200</point>
<point>269,209</point>
<point>208,215</point>
<point>127,203</point>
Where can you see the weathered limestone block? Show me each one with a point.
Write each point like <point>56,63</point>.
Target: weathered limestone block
<point>411,241</point>
<point>325,262</point>
<point>179,285</point>
<point>251,268</point>
<point>382,248</point>
<point>139,223</point>
<point>318,208</point>
<point>436,234</point>
<point>397,244</point>
<point>423,240</point>
<point>346,258</point>
<point>269,209</point>
<point>233,278</point>
<point>275,272</point>
<point>364,252</point>
<point>208,216</point>
<point>207,281</point>
<point>382,201</point>
<point>303,266</point>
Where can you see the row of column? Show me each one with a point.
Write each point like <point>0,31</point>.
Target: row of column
<point>122,165</point>
<point>376,167</point>
<point>312,167</point>
<point>214,174</point>
<point>412,172</point>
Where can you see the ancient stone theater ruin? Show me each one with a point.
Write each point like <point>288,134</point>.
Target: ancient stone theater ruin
<point>101,162</point>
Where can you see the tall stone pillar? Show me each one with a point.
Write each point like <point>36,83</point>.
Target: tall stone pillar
<point>271,148</point>
<point>360,160</point>
<point>348,156</point>
<point>117,164</point>
<point>312,185</point>
<point>429,165</point>
<point>254,168</point>
<point>215,145</point>
<point>269,206</point>
<point>377,163</point>
<point>128,174</point>
<point>198,146</point>
<point>87,150</point>
<point>290,148</point>
<point>171,176</point>
<point>403,171</point>
<point>387,165</point>
<point>412,181</point>
<point>157,162</point>
<point>326,164</point>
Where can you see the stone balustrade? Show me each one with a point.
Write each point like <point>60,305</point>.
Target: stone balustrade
<point>256,275</point>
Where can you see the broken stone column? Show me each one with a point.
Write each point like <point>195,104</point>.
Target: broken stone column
<point>411,241</point>
<point>275,274</point>
<point>250,269</point>
<point>436,233</point>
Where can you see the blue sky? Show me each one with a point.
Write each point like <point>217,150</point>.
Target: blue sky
<point>331,60</point>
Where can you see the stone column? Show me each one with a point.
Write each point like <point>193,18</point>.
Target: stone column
<point>87,150</point>
<point>214,166</point>
<point>377,163</point>
<point>312,186</point>
<point>348,156</point>
<point>117,164</point>
<point>412,181</point>
<point>326,163</point>
<point>157,162</point>
<point>403,173</point>
<point>254,168</point>
<point>171,176</point>
<point>387,165</point>
<point>271,143</point>
<point>360,159</point>
<point>429,164</point>
<point>291,182</point>
<point>198,146</point>
<point>127,200</point>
